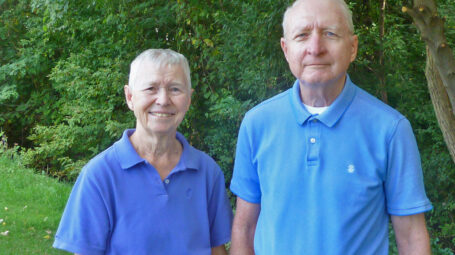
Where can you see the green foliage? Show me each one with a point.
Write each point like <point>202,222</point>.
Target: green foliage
<point>64,64</point>
<point>238,75</point>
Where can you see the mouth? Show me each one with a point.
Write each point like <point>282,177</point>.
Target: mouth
<point>161,114</point>
<point>317,65</point>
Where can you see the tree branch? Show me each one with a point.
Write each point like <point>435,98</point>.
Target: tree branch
<point>431,27</point>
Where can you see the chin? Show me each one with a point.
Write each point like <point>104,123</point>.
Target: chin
<point>318,80</point>
<point>158,131</point>
<point>313,81</point>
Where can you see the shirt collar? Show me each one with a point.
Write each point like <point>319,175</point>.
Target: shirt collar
<point>128,156</point>
<point>188,159</point>
<point>332,114</point>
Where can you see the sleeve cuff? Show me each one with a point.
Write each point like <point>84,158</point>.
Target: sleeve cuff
<point>420,208</point>
<point>221,241</point>
<point>70,247</point>
<point>244,195</point>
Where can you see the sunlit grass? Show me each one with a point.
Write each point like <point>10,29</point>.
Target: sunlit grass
<point>30,209</point>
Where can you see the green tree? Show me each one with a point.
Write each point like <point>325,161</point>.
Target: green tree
<point>64,64</point>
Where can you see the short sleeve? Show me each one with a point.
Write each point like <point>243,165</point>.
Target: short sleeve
<point>84,226</point>
<point>245,180</point>
<point>220,213</point>
<point>405,191</point>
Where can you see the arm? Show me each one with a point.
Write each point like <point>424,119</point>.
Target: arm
<point>219,250</point>
<point>85,209</point>
<point>244,227</point>
<point>411,234</point>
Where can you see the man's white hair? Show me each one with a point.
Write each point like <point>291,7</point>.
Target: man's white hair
<point>344,9</point>
<point>159,57</point>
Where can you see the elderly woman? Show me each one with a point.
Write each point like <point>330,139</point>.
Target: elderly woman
<point>151,192</point>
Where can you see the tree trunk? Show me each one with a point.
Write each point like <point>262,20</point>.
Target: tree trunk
<point>382,84</point>
<point>440,70</point>
<point>441,104</point>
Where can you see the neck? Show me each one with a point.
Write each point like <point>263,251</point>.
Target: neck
<point>321,94</point>
<point>154,147</point>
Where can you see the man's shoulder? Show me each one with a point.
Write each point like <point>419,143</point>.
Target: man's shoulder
<point>375,108</point>
<point>271,106</point>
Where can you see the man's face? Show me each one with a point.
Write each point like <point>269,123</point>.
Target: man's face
<point>318,44</point>
<point>160,98</point>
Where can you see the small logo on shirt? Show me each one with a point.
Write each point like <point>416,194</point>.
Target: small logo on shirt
<point>189,192</point>
<point>351,168</point>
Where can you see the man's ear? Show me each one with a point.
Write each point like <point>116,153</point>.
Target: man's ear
<point>354,45</point>
<point>129,96</point>
<point>284,47</point>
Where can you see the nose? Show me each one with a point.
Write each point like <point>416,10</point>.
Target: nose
<point>315,44</point>
<point>162,97</point>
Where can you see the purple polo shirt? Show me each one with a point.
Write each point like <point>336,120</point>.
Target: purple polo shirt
<point>120,205</point>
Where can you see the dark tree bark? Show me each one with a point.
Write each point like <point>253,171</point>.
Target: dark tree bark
<point>382,84</point>
<point>441,104</point>
<point>440,69</point>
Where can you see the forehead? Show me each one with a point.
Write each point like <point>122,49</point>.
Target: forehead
<point>150,72</point>
<point>316,13</point>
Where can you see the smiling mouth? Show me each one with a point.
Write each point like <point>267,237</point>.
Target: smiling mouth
<point>162,115</point>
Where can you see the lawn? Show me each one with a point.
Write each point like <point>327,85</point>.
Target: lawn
<point>30,209</point>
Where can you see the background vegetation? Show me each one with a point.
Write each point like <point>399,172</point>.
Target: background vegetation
<point>64,63</point>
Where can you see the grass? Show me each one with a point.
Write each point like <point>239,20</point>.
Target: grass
<point>30,209</point>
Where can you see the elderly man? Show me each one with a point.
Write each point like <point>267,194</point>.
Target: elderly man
<point>321,167</point>
<point>151,192</point>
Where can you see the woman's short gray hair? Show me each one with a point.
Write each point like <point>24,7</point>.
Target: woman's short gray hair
<point>344,8</point>
<point>160,57</point>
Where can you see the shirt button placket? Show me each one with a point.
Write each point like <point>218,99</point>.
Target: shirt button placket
<point>313,149</point>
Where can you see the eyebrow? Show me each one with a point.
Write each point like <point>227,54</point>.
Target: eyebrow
<point>335,27</point>
<point>154,83</point>
<point>310,27</point>
<point>301,28</point>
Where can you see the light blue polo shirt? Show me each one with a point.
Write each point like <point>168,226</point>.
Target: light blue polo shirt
<point>120,205</point>
<point>327,183</point>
